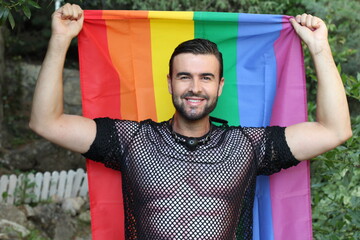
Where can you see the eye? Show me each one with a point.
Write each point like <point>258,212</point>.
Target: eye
<point>206,78</point>
<point>184,77</point>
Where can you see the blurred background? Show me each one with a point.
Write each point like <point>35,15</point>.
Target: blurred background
<point>24,34</point>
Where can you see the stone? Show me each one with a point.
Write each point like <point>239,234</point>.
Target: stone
<point>65,227</point>
<point>41,155</point>
<point>85,216</point>
<point>46,216</point>
<point>27,210</point>
<point>11,213</point>
<point>13,229</point>
<point>84,238</point>
<point>72,205</point>
<point>38,155</point>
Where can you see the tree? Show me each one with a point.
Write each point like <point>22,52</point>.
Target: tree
<point>2,69</point>
<point>6,14</point>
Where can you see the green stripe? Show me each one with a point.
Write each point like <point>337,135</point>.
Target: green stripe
<point>222,28</point>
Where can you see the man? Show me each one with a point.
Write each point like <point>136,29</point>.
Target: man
<point>186,178</point>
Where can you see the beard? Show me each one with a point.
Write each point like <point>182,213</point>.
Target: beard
<point>193,114</point>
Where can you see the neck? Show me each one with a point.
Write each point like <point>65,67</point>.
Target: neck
<point>189,128</point>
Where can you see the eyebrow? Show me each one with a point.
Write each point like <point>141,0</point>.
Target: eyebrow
<point>189,74</point>
<point>183,73</point>
<point>207,74</point>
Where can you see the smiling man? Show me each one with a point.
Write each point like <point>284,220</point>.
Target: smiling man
<point>195,82</point>
<point>187,178</point>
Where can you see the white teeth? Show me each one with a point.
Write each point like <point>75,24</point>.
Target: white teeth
<point>193,100</point>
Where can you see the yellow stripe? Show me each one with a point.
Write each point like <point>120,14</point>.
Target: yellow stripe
<point>168,29</point>
<point>171,15</point>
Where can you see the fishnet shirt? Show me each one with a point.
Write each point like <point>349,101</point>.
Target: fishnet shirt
<point>171,192</point>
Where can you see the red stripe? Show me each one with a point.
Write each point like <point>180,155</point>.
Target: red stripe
<point>101,98</point>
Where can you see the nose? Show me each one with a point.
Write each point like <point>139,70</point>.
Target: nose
<point>195,85</point>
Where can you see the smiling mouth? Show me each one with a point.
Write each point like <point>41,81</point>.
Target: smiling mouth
<point>194,100</point>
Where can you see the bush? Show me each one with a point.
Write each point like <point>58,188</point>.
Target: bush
<point>335,190</point>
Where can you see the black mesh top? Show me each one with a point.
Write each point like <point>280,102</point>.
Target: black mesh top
<point>172,192</point>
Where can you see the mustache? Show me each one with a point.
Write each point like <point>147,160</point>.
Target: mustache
<point>192,94</point>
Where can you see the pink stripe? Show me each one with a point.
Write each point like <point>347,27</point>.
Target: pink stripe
<point>290,189</point>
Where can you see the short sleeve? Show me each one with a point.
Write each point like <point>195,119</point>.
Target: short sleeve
<point>112,139</point>
<point>277,154</point>
<point>271,151</point>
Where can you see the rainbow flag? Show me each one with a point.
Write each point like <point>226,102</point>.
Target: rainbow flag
<point>123,66</point>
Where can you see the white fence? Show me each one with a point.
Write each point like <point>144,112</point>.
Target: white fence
<point>27,188</point>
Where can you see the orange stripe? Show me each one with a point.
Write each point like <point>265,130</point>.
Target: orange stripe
<point>130,50</point>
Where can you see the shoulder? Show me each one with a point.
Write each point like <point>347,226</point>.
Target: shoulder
<point>149,125</point>
<point>119,124</point>
<point>257,134</point>
<point>113,122</point>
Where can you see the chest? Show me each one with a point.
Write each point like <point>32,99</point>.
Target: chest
<point>155,174</point>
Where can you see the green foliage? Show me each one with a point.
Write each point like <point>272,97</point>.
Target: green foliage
<point>336,191</point>
<point>7,7</point>
<point>23,192</point>
<point>250,6</point>
<point>342,19</point>
<point>336,174</point>
<point>35,235</point>
<point>5,195</point>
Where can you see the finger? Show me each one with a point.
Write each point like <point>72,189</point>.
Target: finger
<point>71,11</point>
<point>315,22</point>
<point>303,19</point>
<point>295,23</point>
<point>79,11</point>
<point>308,20</point>
<point>65,9</point>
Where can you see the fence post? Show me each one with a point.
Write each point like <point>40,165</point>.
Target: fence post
<point>54,184</point>
<point>45,187</point>
<point>42,186</point>
<point>4,182</point>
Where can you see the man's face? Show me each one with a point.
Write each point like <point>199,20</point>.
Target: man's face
<point>195,85</point>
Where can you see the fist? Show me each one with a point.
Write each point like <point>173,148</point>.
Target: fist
<point>67,20</point>
<point>312,30</point>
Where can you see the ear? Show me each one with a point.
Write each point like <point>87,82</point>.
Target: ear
<point>169,84</point>
<point>221,85</point>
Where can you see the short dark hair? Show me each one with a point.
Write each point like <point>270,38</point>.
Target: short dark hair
<point>197,46</point>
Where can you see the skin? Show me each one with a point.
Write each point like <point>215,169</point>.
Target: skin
<point>333,127</point>
<point>195,87</point>
<point>77,133</point>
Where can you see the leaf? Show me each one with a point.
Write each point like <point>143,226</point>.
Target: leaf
<point>33,4</point>
<point>11,20</point>
<point>26,11</point>
<point>5,195</point>
<point>5,15</point>
<point>2,11</point>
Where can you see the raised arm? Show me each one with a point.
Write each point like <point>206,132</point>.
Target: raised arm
<point>47,117</point>
<point>332,126</point>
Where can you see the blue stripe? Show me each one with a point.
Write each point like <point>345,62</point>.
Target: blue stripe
<point>256,74</point>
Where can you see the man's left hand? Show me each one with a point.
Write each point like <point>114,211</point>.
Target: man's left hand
<point>313,31</point>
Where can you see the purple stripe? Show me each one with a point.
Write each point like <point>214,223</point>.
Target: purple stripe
<point>290,189</point>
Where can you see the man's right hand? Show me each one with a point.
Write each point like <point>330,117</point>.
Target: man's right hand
<point>67,21</point>
<point>47,116</point>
